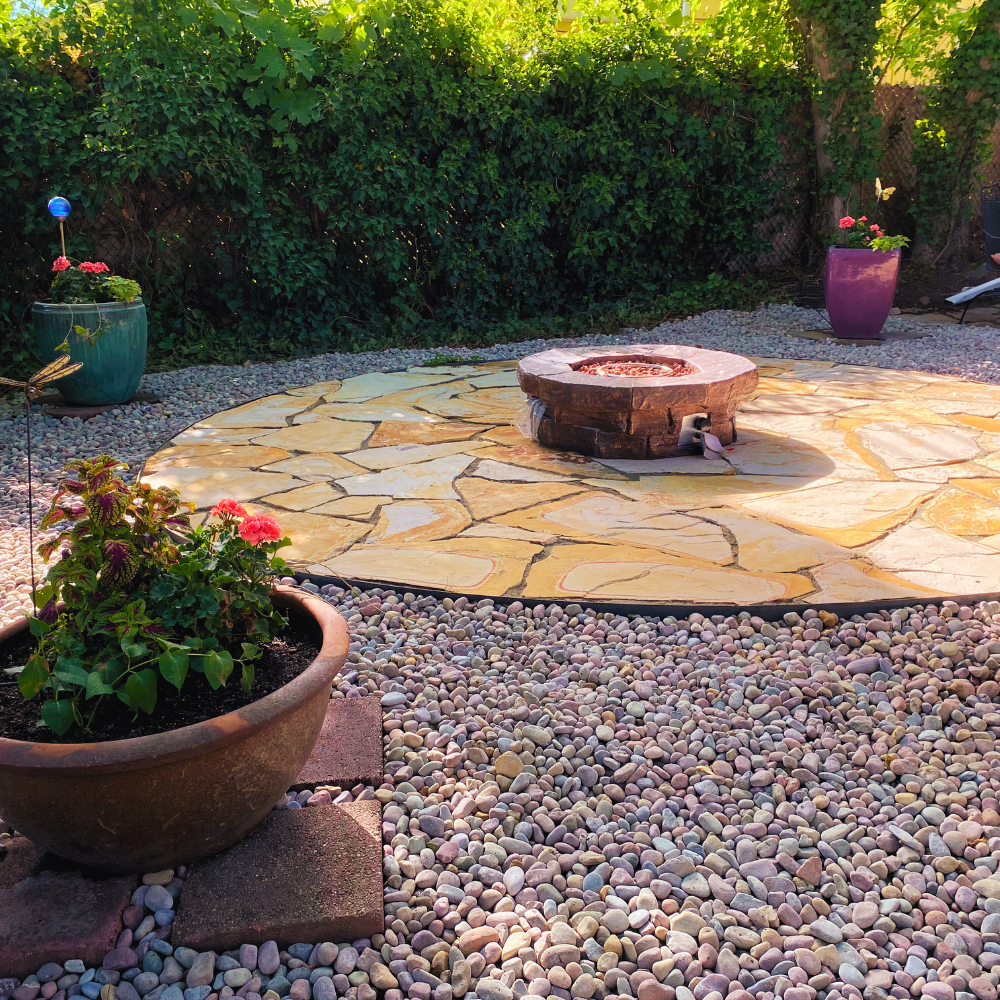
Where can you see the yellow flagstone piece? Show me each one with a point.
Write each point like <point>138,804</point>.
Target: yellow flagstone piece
<point>902,446</point>
<point>486,499</point>
<point>321,435</point>
<point>968,407</point>
<point>989,442</point>
<point>684,492</point>
<point>530,455</point>
<point>956,388</point>
<point>987,488</point>
<point>847,514</point>
<point>375,411</point>
<point>359,507</point>
<point>938,561</point>
<point>304,498</point>
<point>496,380</point>
<point>393,456</point>
<point>391,432</point>
<point>791,387</point>
<point>961,513</point>
<point>855,580</point>
<point>766,547</point>
<point>623,572</point>
<point>413,521</point>
<point>821,453</point>
<point>425,481</point>
<point>317,466</point>
<point>947,473</point>
<point>790,367</point>
<point>362,388</point>
<point>896,411</point>
<point>206,487</point>
<point>317,538</point>
<point>489,566</point>
<point>217,435</point>
<point>781,405</point>
<point>215,456</point>
<point>597,516</point>
<point>271,411</point>
<point>316,389</point>
<point>459,370</point>
<point>460,400</point>
<point>502,472</point>
<point>681,465</point>
<point>981,423</point>
<point>506,531</point>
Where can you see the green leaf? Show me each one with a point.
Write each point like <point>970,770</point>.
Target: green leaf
<point>58,715</point>
<point>174,666</point>
<point>218,667</point>
<point>135,650</point>
<point>38,628</point>
<point>187,16</point>
<point>70,670</point>
<point>228,21</point>
<point>34,677</point>
<point>246,681</point>
<point>96,685</point>
<point>141,688</point>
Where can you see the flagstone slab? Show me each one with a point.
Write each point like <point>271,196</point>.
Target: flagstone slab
<point>489,566</point>
<point>258,891</point>
<point>943,564</point>
<point>766,547</point>
<point>622,572</point>
<point>322,435</point>
<point>272,411</point>
<point>392,432</point>
<point>393,456</point>
<point>848,516</point>
<point>420,478</point>
<point>855,580</point>
<point>215,456</point>
<point>961,513</point>
<point>304,497</point>
<point>594,516</point>
<point>318,537</point>
<point>361,388</point>
<point>316,466</point>
<point>360,507</point>
<point>51,909</point>
<point>425,481</point>
<point>349,748</point>
<point>485,500</point>
<point>206,487</point>
<point>413,521</point>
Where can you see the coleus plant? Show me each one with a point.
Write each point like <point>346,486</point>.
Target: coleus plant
<point>137,596</point>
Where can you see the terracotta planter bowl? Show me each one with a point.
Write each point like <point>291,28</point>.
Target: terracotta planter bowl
<point>155,802</point>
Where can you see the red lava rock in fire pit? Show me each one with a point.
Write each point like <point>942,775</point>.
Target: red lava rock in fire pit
<point>631,402</point>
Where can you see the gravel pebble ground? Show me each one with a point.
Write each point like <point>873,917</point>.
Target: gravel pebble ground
<point>582,805</point>
<point>135,431</point>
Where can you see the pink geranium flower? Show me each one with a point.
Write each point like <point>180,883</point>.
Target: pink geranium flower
<point>228,510</point>
<point>96,267</point>
<point>846,222</point>
<point>259,528</point>
<point>61,264</point>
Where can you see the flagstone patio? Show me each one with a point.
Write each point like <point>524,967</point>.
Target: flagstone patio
<point>846,484</point>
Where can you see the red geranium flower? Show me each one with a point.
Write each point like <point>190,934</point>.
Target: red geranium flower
<point>94,268</point>
<point>846,222</point>
<point>61,264</point>
<point>259,528</point>
<point>228,510</point>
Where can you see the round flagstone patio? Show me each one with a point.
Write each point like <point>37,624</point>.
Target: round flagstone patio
<point>847,483</point>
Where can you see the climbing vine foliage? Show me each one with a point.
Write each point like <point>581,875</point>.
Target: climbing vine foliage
<point>388,163</point>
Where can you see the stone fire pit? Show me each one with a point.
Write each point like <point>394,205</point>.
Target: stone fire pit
<point>631,402</point>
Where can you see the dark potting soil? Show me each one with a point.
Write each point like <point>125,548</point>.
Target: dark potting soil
<point>282,661</point>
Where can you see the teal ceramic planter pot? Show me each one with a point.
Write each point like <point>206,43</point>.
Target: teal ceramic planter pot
<point>112,365</point>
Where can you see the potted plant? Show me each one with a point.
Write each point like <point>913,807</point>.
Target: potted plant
<point>861,275</point>
<point>98,318</point>
<point>157,718</point>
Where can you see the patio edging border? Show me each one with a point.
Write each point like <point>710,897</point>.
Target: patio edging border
<point>678,610</point>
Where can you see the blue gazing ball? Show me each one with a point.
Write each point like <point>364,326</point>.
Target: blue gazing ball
<point>59,208</point>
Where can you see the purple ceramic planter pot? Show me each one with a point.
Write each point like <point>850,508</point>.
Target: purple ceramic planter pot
<point>860,287</point>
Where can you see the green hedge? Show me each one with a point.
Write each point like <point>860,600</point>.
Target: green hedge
<point>384,169</point>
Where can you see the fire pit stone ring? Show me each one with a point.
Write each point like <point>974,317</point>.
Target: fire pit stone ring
<point>637,415</point>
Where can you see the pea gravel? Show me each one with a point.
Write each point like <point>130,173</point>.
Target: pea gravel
<point>582,805</point>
